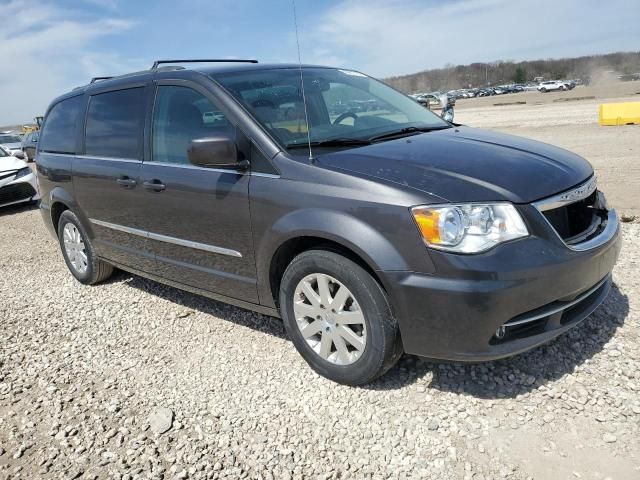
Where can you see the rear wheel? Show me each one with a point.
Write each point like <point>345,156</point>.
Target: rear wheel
<point>78,252</point>
<point>543,90</point>
<point>338,318</point>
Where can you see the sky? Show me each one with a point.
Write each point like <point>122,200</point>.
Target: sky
<point>48,47</point>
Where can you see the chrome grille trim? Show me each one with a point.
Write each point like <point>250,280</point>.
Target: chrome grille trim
<point>575,195</point>
<point>560,308</point>
<point>570,196</point>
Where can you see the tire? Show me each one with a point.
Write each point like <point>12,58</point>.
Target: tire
<point>543,90</point>
<point>87,269</point>
<point>378,343</point>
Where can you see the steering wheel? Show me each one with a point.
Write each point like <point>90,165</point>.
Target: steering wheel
<point>345,115</point>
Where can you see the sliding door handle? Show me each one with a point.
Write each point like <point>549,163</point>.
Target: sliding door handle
<point>126,182</point>
<point>155,185</point>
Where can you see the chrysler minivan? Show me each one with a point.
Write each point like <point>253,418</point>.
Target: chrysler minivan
<point>370,232</point>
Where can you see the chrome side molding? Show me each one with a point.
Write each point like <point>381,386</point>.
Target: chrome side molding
<point>167,239</point>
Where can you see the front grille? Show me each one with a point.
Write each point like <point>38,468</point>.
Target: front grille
<point>579,221</point>
<point>554,315</point>
<point>16,192</point>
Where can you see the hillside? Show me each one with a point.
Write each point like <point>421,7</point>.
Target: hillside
<point>592,67</point>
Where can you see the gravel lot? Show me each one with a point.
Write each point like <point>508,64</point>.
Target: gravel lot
<point>132,379</point>
<point>89,376</point>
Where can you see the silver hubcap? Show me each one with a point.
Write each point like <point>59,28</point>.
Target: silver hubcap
<point>330,319</point>
<point>74,248</point>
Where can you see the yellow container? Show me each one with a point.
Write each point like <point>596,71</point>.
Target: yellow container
<point>619,113</point>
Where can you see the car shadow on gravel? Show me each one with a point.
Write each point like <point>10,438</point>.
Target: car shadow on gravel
<point>522,373</point>
<point>18,208</point>
<point>505,378</point>
<point>193,302</point>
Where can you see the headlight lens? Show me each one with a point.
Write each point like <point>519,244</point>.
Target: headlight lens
<point>469,228</point>
<point>23,172</point>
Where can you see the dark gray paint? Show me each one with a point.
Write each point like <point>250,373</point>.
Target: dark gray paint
<point>447,305</point>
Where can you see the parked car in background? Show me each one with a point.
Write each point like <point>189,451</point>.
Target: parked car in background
<point>399,231</point>
<point>12,141</point>
<point>552,85</point>
<point>29,144</point>
<point>485,92</point>
<point>428,100</point>
<point>17,180</point>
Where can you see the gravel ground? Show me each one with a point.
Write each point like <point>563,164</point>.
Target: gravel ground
<point>132,379</point>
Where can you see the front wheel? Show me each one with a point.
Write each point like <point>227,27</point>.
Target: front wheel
<point>338,318</point>
<point>78,252</point>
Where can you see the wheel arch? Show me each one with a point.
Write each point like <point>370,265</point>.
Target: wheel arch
<point>318,228</point>
<point>59,200</point>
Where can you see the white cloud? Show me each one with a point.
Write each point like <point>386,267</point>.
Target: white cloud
<point>396,37</point>
<point>45,52</point>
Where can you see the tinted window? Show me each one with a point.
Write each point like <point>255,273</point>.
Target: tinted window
<point>9,139</point>
<point>115,122</point>
<point>59,130</point>
<point>181,115</point>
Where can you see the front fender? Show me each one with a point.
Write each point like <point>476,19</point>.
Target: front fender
<point>339,227</point>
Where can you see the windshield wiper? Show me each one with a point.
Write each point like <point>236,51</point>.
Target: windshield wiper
<point>404,132</point>
<point>333,142</point>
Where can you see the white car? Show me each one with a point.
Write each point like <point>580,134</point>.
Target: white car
<point>11,141</point>
<point>17,180</point>
<point>552,85</point>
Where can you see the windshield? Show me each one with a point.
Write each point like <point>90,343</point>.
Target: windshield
<point>9,139</point>
<point>3,153</point>
<point>341,104</point>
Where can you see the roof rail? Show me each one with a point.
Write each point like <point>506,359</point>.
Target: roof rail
<point>96,79</point>
<point>211,60</point>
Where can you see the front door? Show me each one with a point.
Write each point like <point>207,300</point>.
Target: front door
<point>197,219</point>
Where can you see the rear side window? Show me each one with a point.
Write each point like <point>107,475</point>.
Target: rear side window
<point>59,130</point>
<point>115,124</point>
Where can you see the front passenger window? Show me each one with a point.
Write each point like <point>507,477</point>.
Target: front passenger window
<point>180,116</point>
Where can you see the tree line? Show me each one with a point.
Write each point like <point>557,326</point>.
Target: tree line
<point>505,71</point>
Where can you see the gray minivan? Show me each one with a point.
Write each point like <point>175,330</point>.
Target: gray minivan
<point>370,232</point>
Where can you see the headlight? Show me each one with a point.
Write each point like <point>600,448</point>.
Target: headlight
<point>23,172</point>
<point>470,228</point>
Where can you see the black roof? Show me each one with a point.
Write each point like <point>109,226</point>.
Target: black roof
<point>243,67</point>
<point>209,70</point>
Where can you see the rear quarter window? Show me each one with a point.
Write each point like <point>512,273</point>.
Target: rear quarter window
<point>59,130</point>
<point>115,124</point>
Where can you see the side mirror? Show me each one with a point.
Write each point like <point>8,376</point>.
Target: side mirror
<point>215,152</point>
<point>19,154</point>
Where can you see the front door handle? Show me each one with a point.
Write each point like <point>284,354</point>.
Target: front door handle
<point>126,182</point>
<point>155,185</point>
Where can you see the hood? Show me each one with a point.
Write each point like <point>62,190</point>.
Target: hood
<point>465,164</point>
<point>8,164</point>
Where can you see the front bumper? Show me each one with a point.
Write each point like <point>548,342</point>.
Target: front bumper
<point>24,189</point>
<point>538,287</point>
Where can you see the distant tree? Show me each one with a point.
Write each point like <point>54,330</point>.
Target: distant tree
<point>520,76</point>
<point>501,71</point>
